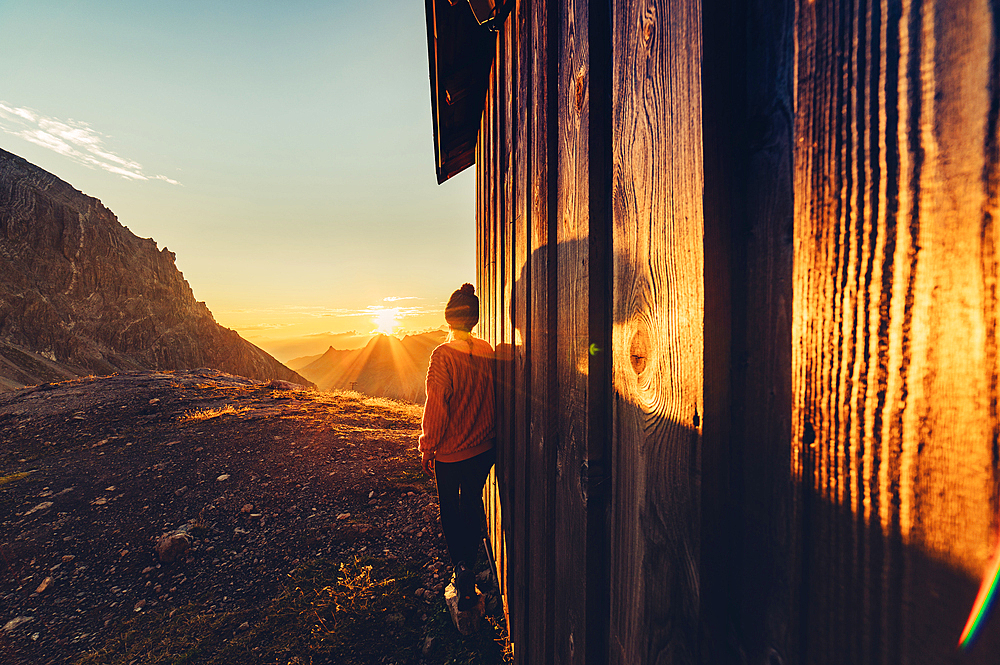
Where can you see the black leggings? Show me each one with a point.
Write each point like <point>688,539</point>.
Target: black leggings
<point>460,495</point>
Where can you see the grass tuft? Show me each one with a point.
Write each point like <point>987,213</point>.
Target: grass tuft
<point>14,477</point>
<point>215,412</point>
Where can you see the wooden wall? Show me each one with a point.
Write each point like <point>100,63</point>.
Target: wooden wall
<point>739,262</point>
<point>894,335</point>
<point>658,319</point>
<point>544,242</point>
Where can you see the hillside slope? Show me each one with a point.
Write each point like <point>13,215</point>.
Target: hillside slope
<point>81,294</point>
<point>280,491</point>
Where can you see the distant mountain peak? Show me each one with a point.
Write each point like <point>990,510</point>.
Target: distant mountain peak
<point>385,367</point>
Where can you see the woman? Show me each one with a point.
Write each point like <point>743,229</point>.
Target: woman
<point>456,444</point>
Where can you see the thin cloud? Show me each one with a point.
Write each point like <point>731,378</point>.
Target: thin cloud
<point>319,312</point>
<point>72,139</point>
<point>264,326</point>
<point>398,298</point>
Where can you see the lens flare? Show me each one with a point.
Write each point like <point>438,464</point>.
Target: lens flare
<point>980,608</point>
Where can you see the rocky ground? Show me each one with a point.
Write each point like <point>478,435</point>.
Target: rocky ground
<point>256,481</point>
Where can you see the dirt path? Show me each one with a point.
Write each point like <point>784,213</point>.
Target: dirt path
<point>268,480</point>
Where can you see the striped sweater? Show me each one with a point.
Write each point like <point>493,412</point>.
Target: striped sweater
<point>459,412</point>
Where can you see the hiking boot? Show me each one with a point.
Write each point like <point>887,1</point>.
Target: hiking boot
<point>465,584</point>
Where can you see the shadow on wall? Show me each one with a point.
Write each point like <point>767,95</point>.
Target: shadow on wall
<point>826,586</point>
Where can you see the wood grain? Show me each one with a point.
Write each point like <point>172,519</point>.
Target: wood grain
<point>658,341</point>
<point>573,212</point>
<point>894,335</point>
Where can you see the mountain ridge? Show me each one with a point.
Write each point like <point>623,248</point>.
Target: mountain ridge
<point>80,294</point>
<point>385,367</point>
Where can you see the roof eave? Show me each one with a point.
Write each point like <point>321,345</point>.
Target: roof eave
<point>460,54</point>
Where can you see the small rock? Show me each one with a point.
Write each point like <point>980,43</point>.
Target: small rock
<point>46,583</point>
<point>148,569</point>
<point>247,508</point>
<point>139,605</point>
<point>44,505</point>
<point>15,622</point>
<point>68,557</point>
<point>99,501</point>
<point>371,494</point>
<point>172,546</point>
<point>110,488</point>
<point>419,593</point>
<point>223,477</point>
<point>154,400</point>
<point>428,645</point>
<point>244,626</point>
<point>180,490</point>
<point>343,516</point>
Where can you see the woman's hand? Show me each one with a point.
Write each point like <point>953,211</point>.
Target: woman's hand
<point>427,460</point>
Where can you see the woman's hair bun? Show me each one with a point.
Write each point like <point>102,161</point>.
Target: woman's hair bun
<point>462,310</point>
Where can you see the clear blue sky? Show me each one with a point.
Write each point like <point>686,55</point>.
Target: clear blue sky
<point>298,134</point>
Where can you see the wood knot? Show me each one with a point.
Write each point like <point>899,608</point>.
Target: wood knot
<point>808,434</point>
<point>580,84</point>
<point>639,351</point>
<point>648,31</point>
<point>649,24</point>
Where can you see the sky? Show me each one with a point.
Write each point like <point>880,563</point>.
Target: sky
<point>282,150</point>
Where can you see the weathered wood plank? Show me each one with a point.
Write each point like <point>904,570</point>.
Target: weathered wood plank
<point>749,563</point>
<point>894,336</point>
<point>488,138</point>
<point>572,303</point>
<point>511,486</point>
<point>515,174</point>
<point>770,555</point>
<point>658,322</point>
<point>540,270</point>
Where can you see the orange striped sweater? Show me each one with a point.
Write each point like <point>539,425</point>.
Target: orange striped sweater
<point>459,412</point>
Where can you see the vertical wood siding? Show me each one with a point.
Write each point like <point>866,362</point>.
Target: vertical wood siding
<point>749,567</point>
<point>658,324</point>
<point>894,334</point>
<point>801,462</point>
<point>536,180</point>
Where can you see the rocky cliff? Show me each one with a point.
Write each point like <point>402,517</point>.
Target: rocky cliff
<point>80,294</point>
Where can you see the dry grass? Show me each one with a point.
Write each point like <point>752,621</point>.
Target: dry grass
<point>215,412</point>
<point>14,477</point>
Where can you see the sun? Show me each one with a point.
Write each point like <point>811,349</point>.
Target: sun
<point>386,320</point>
